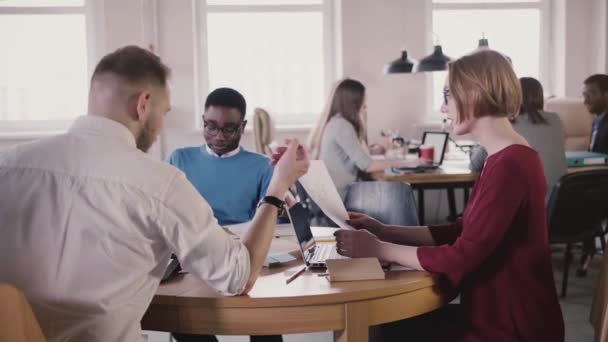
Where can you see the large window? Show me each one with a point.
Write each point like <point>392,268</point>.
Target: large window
<point>278,53</point>
<point>43,63</point>
<point>513,27</point>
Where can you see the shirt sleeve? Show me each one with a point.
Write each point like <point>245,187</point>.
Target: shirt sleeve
<point>484,226</point>
<point>601,139</point>
<point>201,245</point>
<point>265,181</point>
<point>446,233</point>
<point>346,138</point>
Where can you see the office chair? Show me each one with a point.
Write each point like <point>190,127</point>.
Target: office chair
<point>391,203</point>
<point>576,208</point>
<point>17,321</point>
<point>263,131</point>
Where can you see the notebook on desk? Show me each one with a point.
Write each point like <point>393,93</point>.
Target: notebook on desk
<point>439,141</point>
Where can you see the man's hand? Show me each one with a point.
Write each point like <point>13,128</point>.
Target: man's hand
<point>279,151</point>
<point>290,163</point>
<point>362,221</point>
<point>357,243</point>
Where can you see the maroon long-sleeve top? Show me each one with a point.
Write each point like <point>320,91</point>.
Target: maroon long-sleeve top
<point>497,255</point>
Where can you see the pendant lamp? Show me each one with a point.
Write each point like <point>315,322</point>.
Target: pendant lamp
<point>401,65</point>
<point>436,61</point>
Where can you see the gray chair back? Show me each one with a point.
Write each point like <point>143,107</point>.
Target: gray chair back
<point>391,203</point>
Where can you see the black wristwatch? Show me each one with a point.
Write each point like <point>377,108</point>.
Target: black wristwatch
<point>272,200</point>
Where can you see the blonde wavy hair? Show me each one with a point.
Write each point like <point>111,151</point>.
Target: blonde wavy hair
<point>345,98</point>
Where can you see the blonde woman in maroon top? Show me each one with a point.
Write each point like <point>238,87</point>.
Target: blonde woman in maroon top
<point>497,255</point>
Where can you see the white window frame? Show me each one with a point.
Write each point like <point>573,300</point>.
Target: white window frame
<point>35,128</point>
<point>201,9</point>
<point>544,6</point>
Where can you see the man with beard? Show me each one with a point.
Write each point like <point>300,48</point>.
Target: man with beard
<point>232,179</point>
<point>595,93</point>
<point>596,100</point>
<point>89,221</point>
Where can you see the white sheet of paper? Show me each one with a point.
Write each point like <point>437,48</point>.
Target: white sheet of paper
<point>318,184</point>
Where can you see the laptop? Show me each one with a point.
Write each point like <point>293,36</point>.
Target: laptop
<point>439,141</point>
<point>313,254</point>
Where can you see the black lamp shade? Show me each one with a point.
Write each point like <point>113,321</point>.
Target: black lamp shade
<point>401,65</point>
<point>436,61</point>
<point>483,43</point>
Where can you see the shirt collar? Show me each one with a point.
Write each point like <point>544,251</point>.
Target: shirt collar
<point>225,155</point>
<point>98,125</point>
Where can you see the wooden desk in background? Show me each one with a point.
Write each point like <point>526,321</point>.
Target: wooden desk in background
<point>449,178</point>
<point>308,304</point>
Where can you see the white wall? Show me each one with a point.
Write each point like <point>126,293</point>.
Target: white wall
<point>579,43</point>
<point>374,32</point>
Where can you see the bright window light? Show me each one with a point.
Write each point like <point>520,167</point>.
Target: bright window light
<point>43,66</point>
<point>41,3</point>
<point>264,2</point>
<point>481,2</point>
<point>514,32</point>
<point>275,59</point>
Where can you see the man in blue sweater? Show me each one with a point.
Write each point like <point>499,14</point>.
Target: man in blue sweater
<point>232,179</point>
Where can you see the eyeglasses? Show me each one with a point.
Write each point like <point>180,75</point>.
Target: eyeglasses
<point>229,130</point>
<point>446,95</point>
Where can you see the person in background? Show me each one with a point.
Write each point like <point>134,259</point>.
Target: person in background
<point>232,179</point>
<point>542,130</point>
<point>595,94</point>
<point>497,255</point>
<point>92,220</point>
<point>340,137</point>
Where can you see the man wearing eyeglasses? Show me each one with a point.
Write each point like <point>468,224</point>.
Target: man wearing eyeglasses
<point>232,179</point>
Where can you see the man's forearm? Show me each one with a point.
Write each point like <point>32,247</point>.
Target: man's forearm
<point>258,237</point>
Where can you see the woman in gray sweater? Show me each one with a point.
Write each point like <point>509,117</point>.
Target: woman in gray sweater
<point>340,137</point>
<point>543,131</point>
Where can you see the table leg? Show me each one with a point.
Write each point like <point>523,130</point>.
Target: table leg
<point>421,206</point>
<point>466,196</point>
<point>356,323</point>
<point>452,204</point>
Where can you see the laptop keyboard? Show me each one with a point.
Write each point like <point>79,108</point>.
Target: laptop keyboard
<point>326,251</point>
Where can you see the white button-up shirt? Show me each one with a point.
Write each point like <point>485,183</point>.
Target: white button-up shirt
<point>225,155</point>
<point>88,223</point>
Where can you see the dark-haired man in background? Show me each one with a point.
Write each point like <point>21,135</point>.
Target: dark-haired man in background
<point>595,93</point>
<point>232,179</point>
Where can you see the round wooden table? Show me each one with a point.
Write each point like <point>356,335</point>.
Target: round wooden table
<point>310,303</point>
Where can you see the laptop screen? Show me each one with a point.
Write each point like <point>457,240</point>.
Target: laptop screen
<point>299,219</point>
<point>439,141</point>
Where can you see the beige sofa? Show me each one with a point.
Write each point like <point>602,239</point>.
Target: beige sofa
<point>576,120</point>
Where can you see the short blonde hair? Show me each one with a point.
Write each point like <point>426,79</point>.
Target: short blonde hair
<point>484,84</point>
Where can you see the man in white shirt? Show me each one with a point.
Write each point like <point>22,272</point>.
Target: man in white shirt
<point>89,221</point>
